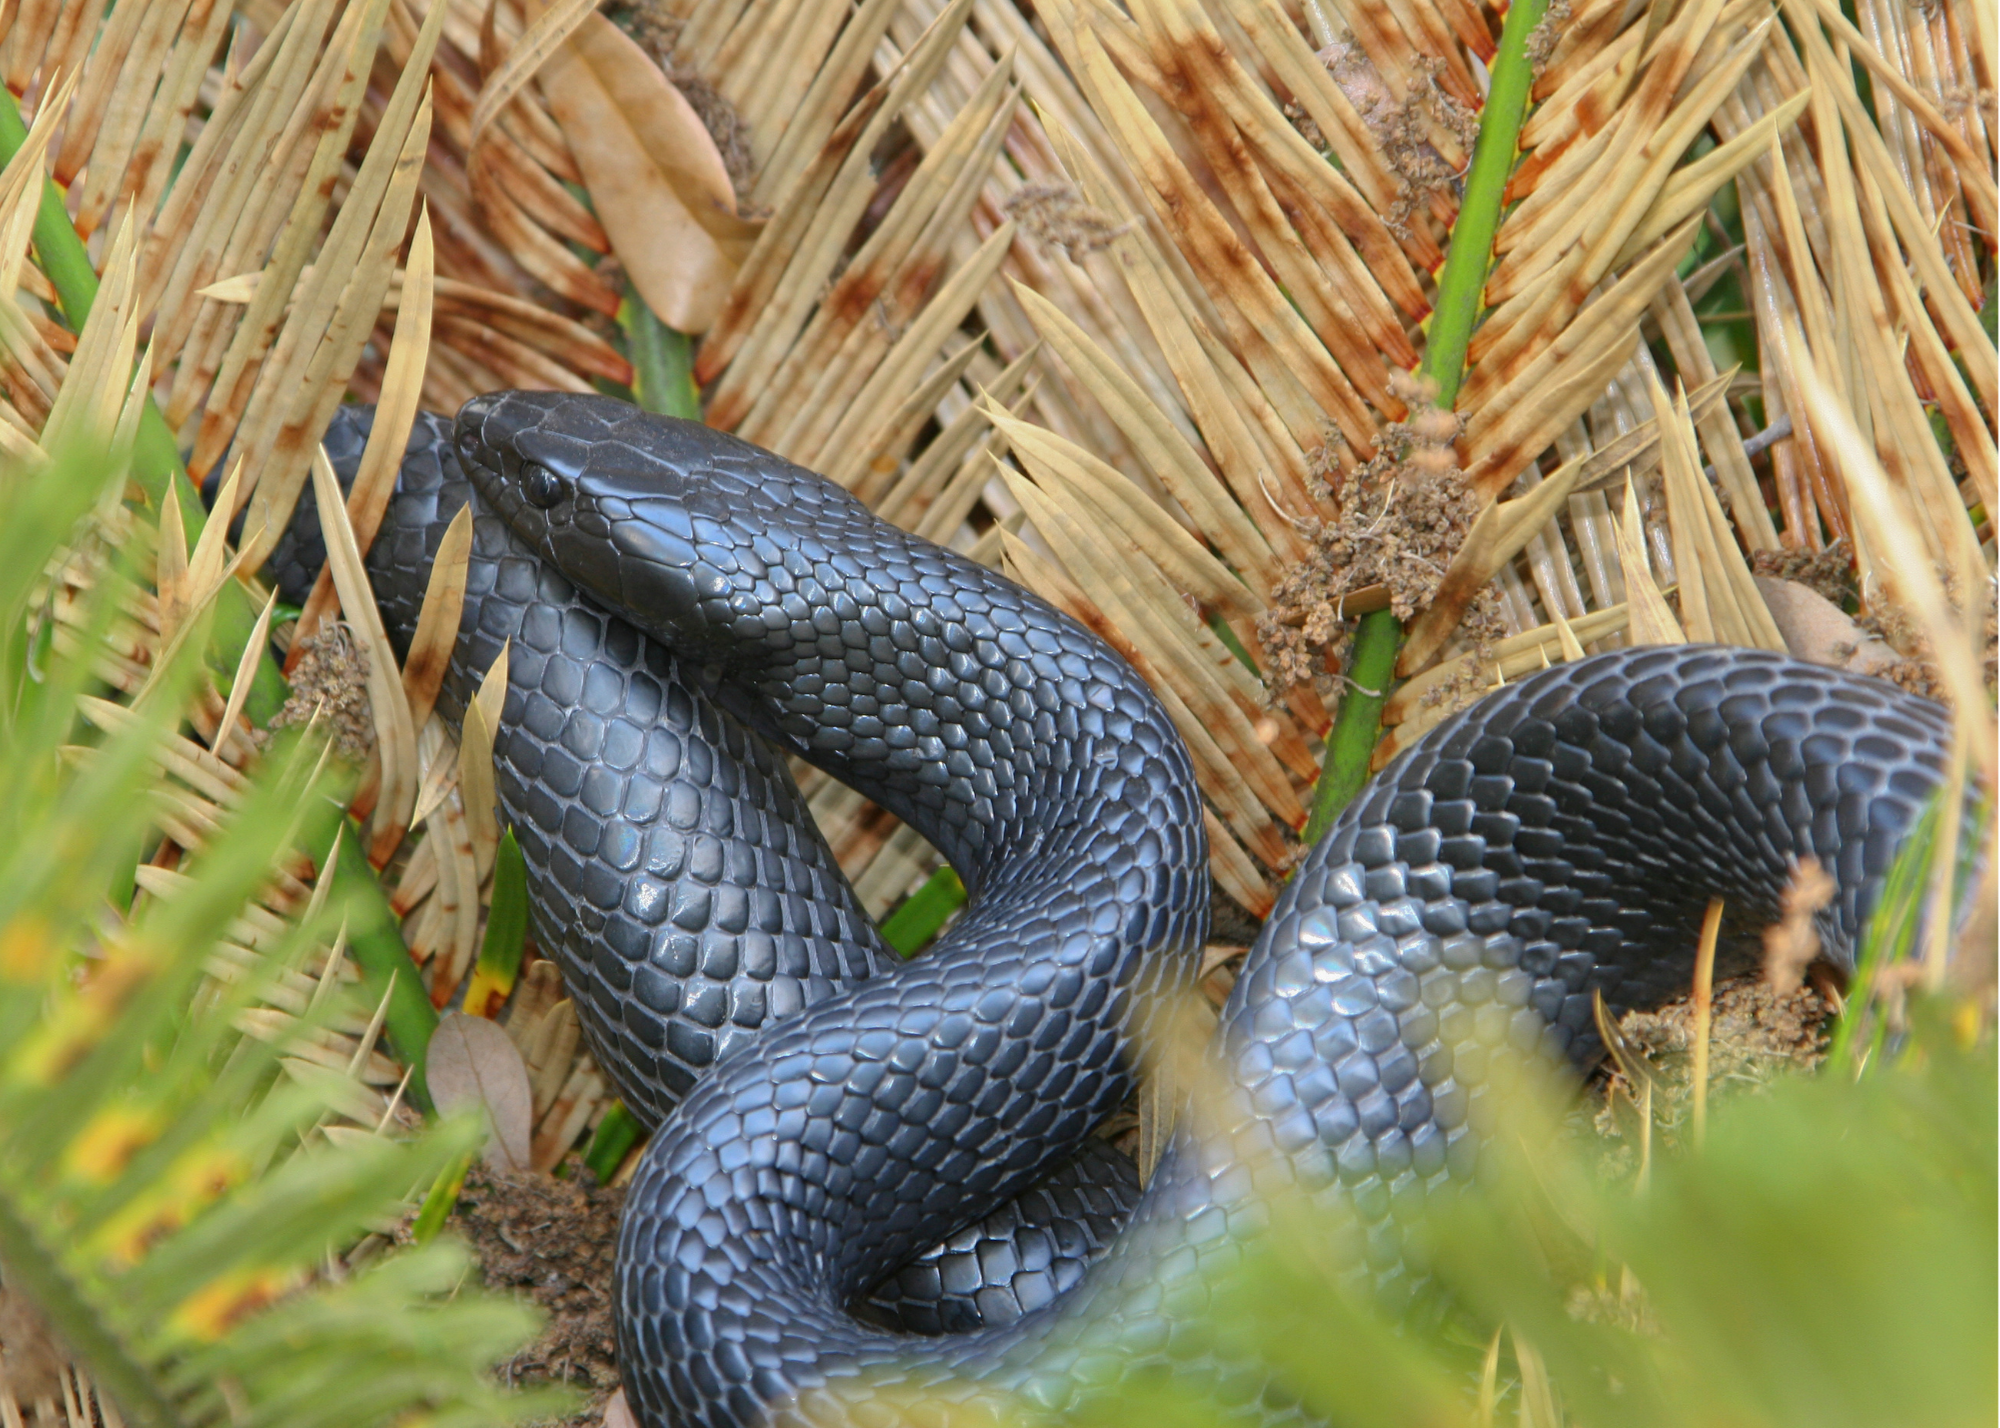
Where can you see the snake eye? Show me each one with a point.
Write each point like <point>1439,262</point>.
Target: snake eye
<point>542,486</point>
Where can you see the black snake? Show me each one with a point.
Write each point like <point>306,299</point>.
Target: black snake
<point>685,610</point>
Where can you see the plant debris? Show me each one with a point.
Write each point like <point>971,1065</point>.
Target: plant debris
<point>1791,943</point>
<point>1547,34</point>
<point>554,1241</point>
<point>1402,127</point>
<point>1757,1034</point>
<point>331,681</point>
<point>1056,214</point>
<point>1403,515</point>
<point>1830,572</point>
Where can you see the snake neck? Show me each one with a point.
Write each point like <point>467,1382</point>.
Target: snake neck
<point>971,709</point>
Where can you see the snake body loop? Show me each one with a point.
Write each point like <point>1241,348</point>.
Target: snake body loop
<point>684,606</point>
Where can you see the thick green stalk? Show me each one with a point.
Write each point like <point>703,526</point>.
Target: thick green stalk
<point>156,461</point>
<point>662,361</point>
<point>1371,669</point>
<point>616,1134</point>
<point>910,928</point>
<point>1461,281</point>
<point>375,941</point>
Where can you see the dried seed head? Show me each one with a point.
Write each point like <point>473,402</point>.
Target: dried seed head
<point>332,676</point>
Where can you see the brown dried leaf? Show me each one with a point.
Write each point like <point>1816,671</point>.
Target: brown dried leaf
<point>1816,629</point>
<point>658,184</point>
<point>472,1064</point>
<point>437,622</point>
<point>616,1414</point>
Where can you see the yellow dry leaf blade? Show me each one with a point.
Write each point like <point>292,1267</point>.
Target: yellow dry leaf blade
<point>475,761</point>
<point>866,465</point>
<point>1180,556</point>
<point>1254,787</point>
<point>395,414</point>
<point>884,283</point>
<point>85,411</point>
<point>1691,187</point>
<point>301,381</point>
<point>21,180</point>
<point>1651,620</point>
<point>395,736</point>
<point>942,316</point>
<point>549,28</point>
<point>1168,454</point>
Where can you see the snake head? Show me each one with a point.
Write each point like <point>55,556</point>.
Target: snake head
<point>645,513</point>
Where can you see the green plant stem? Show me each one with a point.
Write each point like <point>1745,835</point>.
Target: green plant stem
<point>924,912</point>
<point>375,941</point>
<point>506,916</point>
<point>156,461</point>
<point>438,1203</point>
<point>662,362</point>
<point>1358,725</point>
<point>1461,282</point>
<point>617,1133</point>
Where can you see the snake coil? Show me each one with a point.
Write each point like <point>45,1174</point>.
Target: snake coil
<point>685,610</point>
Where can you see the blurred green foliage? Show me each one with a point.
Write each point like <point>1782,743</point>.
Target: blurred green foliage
<point>168,1202</point>
<point>1825,1259</point>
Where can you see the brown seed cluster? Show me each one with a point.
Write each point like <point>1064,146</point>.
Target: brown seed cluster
<point>331,681</point>
<point>1055,214</point>
<point>1307,126</point>
<point>1402,516</point>
<point>1829,572</point>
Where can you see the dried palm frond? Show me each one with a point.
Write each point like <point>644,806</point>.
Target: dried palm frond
<point>1260,424</point>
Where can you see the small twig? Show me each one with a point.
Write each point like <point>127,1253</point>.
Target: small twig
<point>1755,446</point>
<point>1704,1012</point>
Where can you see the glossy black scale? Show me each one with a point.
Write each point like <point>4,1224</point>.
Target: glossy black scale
<point>1559,838</point>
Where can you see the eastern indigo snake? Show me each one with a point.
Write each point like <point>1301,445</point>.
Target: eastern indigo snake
<point>685,610</point>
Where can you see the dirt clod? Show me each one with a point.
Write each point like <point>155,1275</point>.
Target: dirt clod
<point>1757,1034</point>
<point>554,1241</point>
